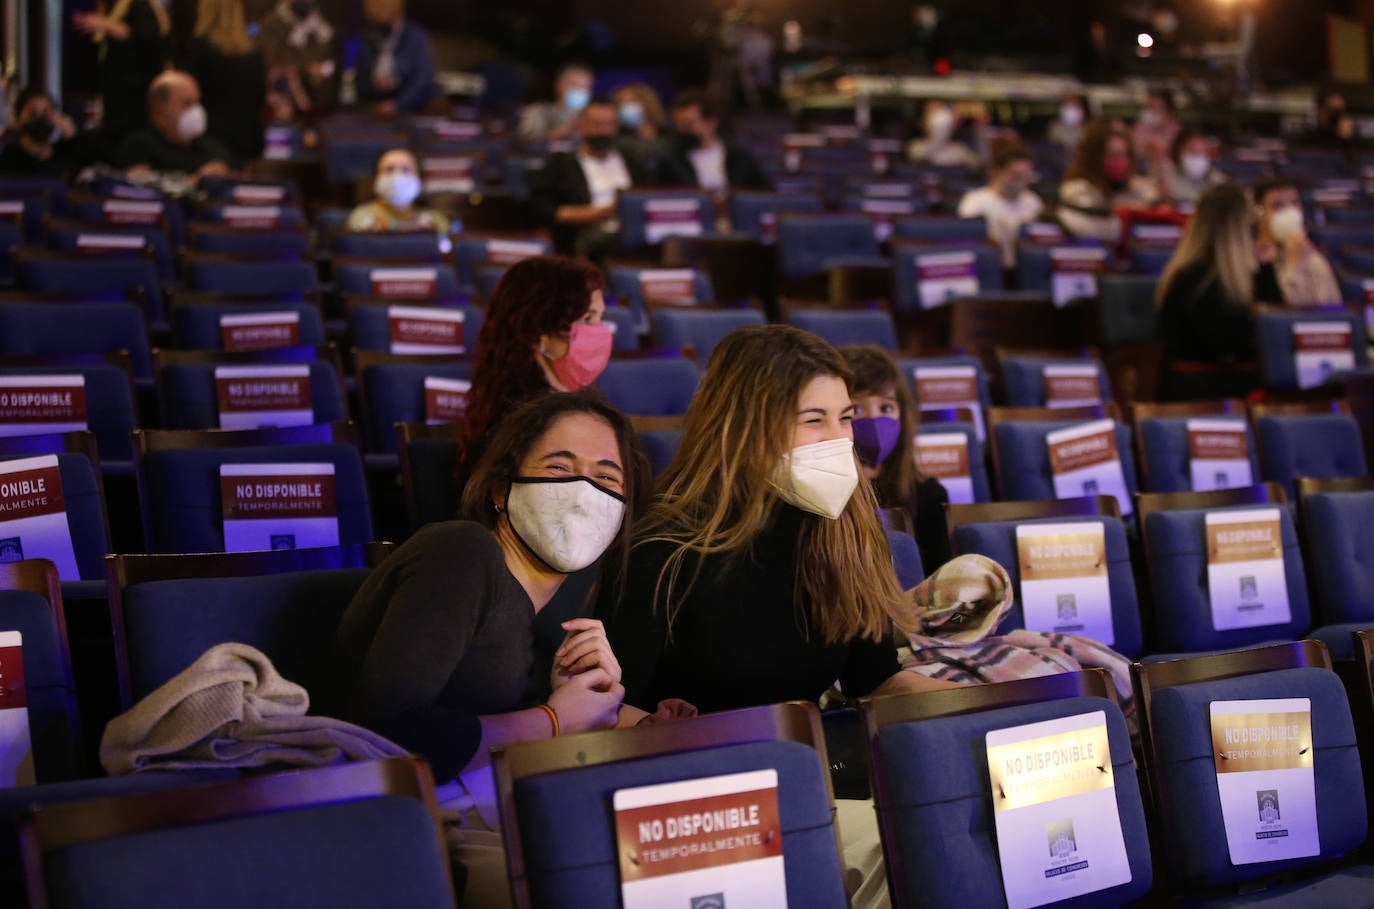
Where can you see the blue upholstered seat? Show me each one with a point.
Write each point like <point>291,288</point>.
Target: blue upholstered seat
<point>807,242</point>
<point>1024,378</point>
<point>1176,543</point>
<point>286,279</point>
<point>848,326</point>
<point>110,412</point>
<point>369,325</point>
<point>77,239</point>
<point>264,242</point>
<point>1274,336</point>
<point>95,279</point>
<point>906,558</point>
<point>909,365</point>
<point>415,246</point>
<point>701,328</point>
<point>1128,312</point>
<point>660,445</point>
<point>632,206</point>
<point>750,210</point>
<point>942,802</point>
<point>85,513</point>
<point>1309,445</point>
<point>997,541</point>
<point>49,690</point>
<point>471,252</point>
<point>1035,264</point>
<point>628,291</point>
<point>356,278</point>
<point>1341,565</point>
<point>431,464</point>
<point>977,463</point>
<point>196,326</point>
<point>1025,459</point>
<point>44,329</point>
<point>1191,828</point>
<point>987,265</point>
<point>941,229</point>
<point>568,828</point>
<point>1168,465</point>
<point>190,399</point>
<point>180,491</point>
<point>659,386</point>
<point>395,393</point>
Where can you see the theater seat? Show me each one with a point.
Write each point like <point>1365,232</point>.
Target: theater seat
<point>847,326</point>
<point>658,386</point>
<point>1341,565</point>
<point>676,328</point>
<point>49,329</point>
<point>49,689</point>
<point>190,398</point>
<point>1309,445</point>
<point>806,243</point>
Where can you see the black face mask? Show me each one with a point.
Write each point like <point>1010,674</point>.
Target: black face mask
<point>301,9</point>
<point>39,129</point>
<point>688,141</point>
<point>600,143</point>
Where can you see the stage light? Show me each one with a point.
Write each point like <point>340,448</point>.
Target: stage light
<point>1145,41</point>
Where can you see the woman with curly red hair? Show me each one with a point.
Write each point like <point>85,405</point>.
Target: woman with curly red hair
<point>542,332</point>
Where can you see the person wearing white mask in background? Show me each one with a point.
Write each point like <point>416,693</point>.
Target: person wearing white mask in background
<point>940,146</point>
<point>642,122</point>
<point>1067,129</point>
<point>397,185</point>
<point>1188,170</point>
<point>444,649</point>
<point>1305,276</point>
<point>557,120</point>
<point>1155,130</point>
<point>174,140</point>
<point>1007,202</point>
<point>394,73</point>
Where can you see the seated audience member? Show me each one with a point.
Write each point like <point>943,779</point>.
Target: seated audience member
<point>1188,170</point>
<point>299,45</point>
<point>542,332</point>
<point>395,69</point>
<point>1067,129</point>
<point>447,648</point>
<point>42,141</point>
<point>174,140</point>
<point>943,145</point>
<point>1156,129</point>
<point>575,193</point>
<point>701,158</point>
<point>1335,126</point>
<point>1305,277</point>
<point>1101,179</point>
<point>884,428</point>
<point>642,123</point>
<point>1210,288</point>
<point>397,185</point>
<point>555,120</point>
<point>232,74</point>
<point>761,572</point>
<point>1007,202</point>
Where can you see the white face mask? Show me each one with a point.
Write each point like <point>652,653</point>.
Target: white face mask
<point>1196,166</point>
<point>191,123</point>
<point>398,188</point>
<point>1286,223</point>
<point>940,124</point>
<point>567,522</point>
<point>819,478</point>
<point>1071,115</point>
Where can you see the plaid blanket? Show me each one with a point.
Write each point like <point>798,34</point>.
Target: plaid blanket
<point>950,625</point>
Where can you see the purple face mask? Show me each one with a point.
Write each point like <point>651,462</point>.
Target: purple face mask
<point>875,438</point>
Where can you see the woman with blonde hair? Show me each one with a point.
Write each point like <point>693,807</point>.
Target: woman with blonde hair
<point>761,572</point>
<point>232,73</point>
<point>134,48</point>
<point>1209,290</point>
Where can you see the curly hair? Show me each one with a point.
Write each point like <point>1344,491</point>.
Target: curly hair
<point>543,295</point>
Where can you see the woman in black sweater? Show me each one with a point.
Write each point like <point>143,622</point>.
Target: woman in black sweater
<point>232,73</point>
<point>1207,298</point>
<point>134,48</point>
<point>761,572</point>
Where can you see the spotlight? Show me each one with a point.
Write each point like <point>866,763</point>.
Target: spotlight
<point>1145,41</point>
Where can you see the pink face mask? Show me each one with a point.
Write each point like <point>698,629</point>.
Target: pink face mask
<point>1117,169</point>
<point>589,350</point>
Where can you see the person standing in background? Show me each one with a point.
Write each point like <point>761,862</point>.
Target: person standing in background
<point>133,39</point>
<point>395,72</point>
<point>232,74</point>
<point>299,45</point>
<point>553,121</point>
<point>1067,129</point>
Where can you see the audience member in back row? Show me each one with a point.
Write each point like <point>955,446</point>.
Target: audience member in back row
<point>1208,292</point>
<point>576,191</point>
<point>299,45</point>
<point>134,48</point>
<point>41,141</point>
<point>1007,202</point>
<point>1067,129</point>
<point>701,158</point>
<point>1188,170</point>
<point>439,650</point>
<point>1305,277</point>
<point>174,140</point>
<point>1155,129</point>
<point>761,572</point>
<point>397,185</point>
<point>1101,179</point>
<point>552,121</point>
<point>942,144</point>
<point>395,69</point>
<point>542,332</point>
<point>233,77</point>
<point>884,432</point>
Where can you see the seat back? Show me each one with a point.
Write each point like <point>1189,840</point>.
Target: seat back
<point>1309,445</point>
<point>44,329</point>
<point>110,411</point>
<point>1277,332</point>
<point>1339,555</point>
<point>977,462</point>
<point>394,392</point>
<point>1166,458</point>
<point>191,396</point>
<point>998,541</point>
<point>470,251</point>
<point>72,238</point>
<point>1021,458</point>
<point>1177,557</point>
<point>756,213</point>
<point>83,496</point>
<point>1128,314</point>
<point>417,281</point>
<point>987,268</point>
<point>103,279</point>
<point>649,216</point>
<point>805,241</point>
<point>906,558</point>
<point>543,787</point>
<point>676,328</point>
<point>651,386</point>
<point>401,246</point>
<point>254,243</point>
<point>1025,383</point>
<point>636,286</point>
<point>249,842</point>
<point>847,326</point>
<point>200,326</point>
<point>285,279</point>
<point>370,324</point>
<point>429,462</point>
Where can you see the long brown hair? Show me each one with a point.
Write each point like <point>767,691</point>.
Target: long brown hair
<point>1219,235</point>
<point>874,373</point>
<point>542,295</point>
<point>716,497</point>
<point>517,434</point>
<point>1087,160</point>
<point>221,23</point>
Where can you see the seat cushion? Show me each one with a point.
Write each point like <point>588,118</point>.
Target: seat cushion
<point>1191,823</point>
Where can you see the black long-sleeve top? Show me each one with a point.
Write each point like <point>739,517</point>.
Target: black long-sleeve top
<point>1198,323</point>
